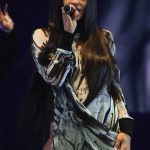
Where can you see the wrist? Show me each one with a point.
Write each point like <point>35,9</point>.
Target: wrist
<point>66,40</point>
<point>126,125</point>
<point>69,31</point>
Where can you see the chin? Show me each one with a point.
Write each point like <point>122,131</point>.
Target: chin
<point>79,18</point>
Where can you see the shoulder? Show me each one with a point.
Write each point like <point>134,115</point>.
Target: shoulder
<point>107,34</point>
<point>40,37</point>
<point>109,39</point>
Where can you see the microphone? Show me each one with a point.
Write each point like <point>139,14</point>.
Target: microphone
<point>69,10</point>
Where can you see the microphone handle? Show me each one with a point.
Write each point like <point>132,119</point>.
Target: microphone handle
<point>69,10</point>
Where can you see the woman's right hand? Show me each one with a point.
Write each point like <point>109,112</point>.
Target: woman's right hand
<point>70,23</point>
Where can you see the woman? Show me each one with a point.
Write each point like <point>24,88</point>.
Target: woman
<point>82,101</point>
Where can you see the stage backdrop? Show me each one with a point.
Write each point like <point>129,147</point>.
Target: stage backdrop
<point>129,21</point>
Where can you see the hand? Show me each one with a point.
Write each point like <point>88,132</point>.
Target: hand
<point>70,23</point>
<point>123,142</point>
<point>6,23</point>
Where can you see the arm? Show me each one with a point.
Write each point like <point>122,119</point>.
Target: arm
<point>9,43</point>
<point>125,121</point>
<point>60,59</point>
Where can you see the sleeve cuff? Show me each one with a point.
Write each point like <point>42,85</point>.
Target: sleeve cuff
<point>126,125</point>
<point>66,41</point>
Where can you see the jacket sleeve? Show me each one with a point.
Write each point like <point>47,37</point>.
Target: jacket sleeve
<point>60,64</point>
<point>125,121</point>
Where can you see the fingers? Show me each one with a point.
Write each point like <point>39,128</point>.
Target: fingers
<point>6,9</point>
<point>65,15</point>
<point>5,12</point>
<point>75,15</point>
<point>117,144</point>
<point>69,22</point>
<point>62,10</point>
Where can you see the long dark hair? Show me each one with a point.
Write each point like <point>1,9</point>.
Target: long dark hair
<point>97,63</point>
<point>88,21</point>
<point>37,113</point>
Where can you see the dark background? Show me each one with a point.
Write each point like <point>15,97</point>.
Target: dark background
<point>129,22</point>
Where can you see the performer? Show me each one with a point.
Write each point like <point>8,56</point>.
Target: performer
<point>9,44</point>
<point>79,100</point>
